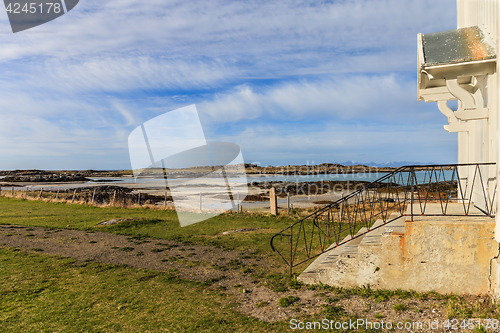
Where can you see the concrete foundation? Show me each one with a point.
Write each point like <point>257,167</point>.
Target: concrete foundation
<point>442,253</point>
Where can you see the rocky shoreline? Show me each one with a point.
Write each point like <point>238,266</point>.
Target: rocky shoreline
<point>67,176</point>
<point>45,179</point>
<point>42,176</point>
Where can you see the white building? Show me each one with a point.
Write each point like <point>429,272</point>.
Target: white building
<point>450,251</point>
<point>462,65</point>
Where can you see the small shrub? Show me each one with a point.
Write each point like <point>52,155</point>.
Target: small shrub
<point>399,307</point>
<point>212,281</point>
<point>294,284</point>
<point>278,288</point>
<point>333,312</point>
<point>331,300</point>
<point>220,268</point>
<point>285,302</point>
<point>234,263</point>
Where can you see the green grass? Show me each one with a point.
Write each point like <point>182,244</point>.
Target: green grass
<point>162,224</point>
<point>333,312</point>
<point>400,307</point>
<point>285,302</point>
<point>379,295</point>
<point>51,294</point>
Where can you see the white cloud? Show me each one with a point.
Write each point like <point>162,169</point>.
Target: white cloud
<point>112,74</point>
<point>381,97</point>
<point>79,84</point>
<point>263,38</point>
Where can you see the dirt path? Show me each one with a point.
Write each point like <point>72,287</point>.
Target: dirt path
<point>225,271</point>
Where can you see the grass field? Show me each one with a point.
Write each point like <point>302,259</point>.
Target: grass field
<point>149,222</point>
<point>50,294</point>
<point>43,293</point>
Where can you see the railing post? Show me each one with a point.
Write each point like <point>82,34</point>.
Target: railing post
<point>238,200</point>
<point>291,249</point>
<point>341,212</point>
<point>412,174</point>
<point>288,203</point>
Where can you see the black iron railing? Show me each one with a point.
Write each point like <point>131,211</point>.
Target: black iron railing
<point>415,190</point>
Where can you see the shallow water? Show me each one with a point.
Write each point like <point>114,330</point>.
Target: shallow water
<point>159,183</point>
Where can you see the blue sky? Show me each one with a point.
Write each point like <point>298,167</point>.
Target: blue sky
<point>290,82</point>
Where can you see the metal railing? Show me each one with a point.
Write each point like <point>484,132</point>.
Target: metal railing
<point>415,190</point>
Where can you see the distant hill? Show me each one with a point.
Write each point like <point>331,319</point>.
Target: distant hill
<point>392,164</point>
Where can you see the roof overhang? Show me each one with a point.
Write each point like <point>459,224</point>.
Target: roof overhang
<point>460,54</point>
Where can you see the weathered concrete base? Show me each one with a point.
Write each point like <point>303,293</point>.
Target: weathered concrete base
<point>445,254</point>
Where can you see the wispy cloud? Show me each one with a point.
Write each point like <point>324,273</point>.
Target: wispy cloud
<point>82,82</point>
<point>388,98</point>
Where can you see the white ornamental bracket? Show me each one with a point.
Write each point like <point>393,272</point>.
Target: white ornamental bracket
<point>471,106</point>
<point>455,125</point>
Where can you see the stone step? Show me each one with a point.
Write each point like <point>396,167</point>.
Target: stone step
<point>331,255</point>
<point>453,208</point>
<point>373,237</point>
<point>350,249</point>
<point>398,225</point>
<point>324,267</point>
<point>312,273</point>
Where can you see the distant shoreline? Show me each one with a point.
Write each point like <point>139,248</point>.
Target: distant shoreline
<point>72,176</point>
